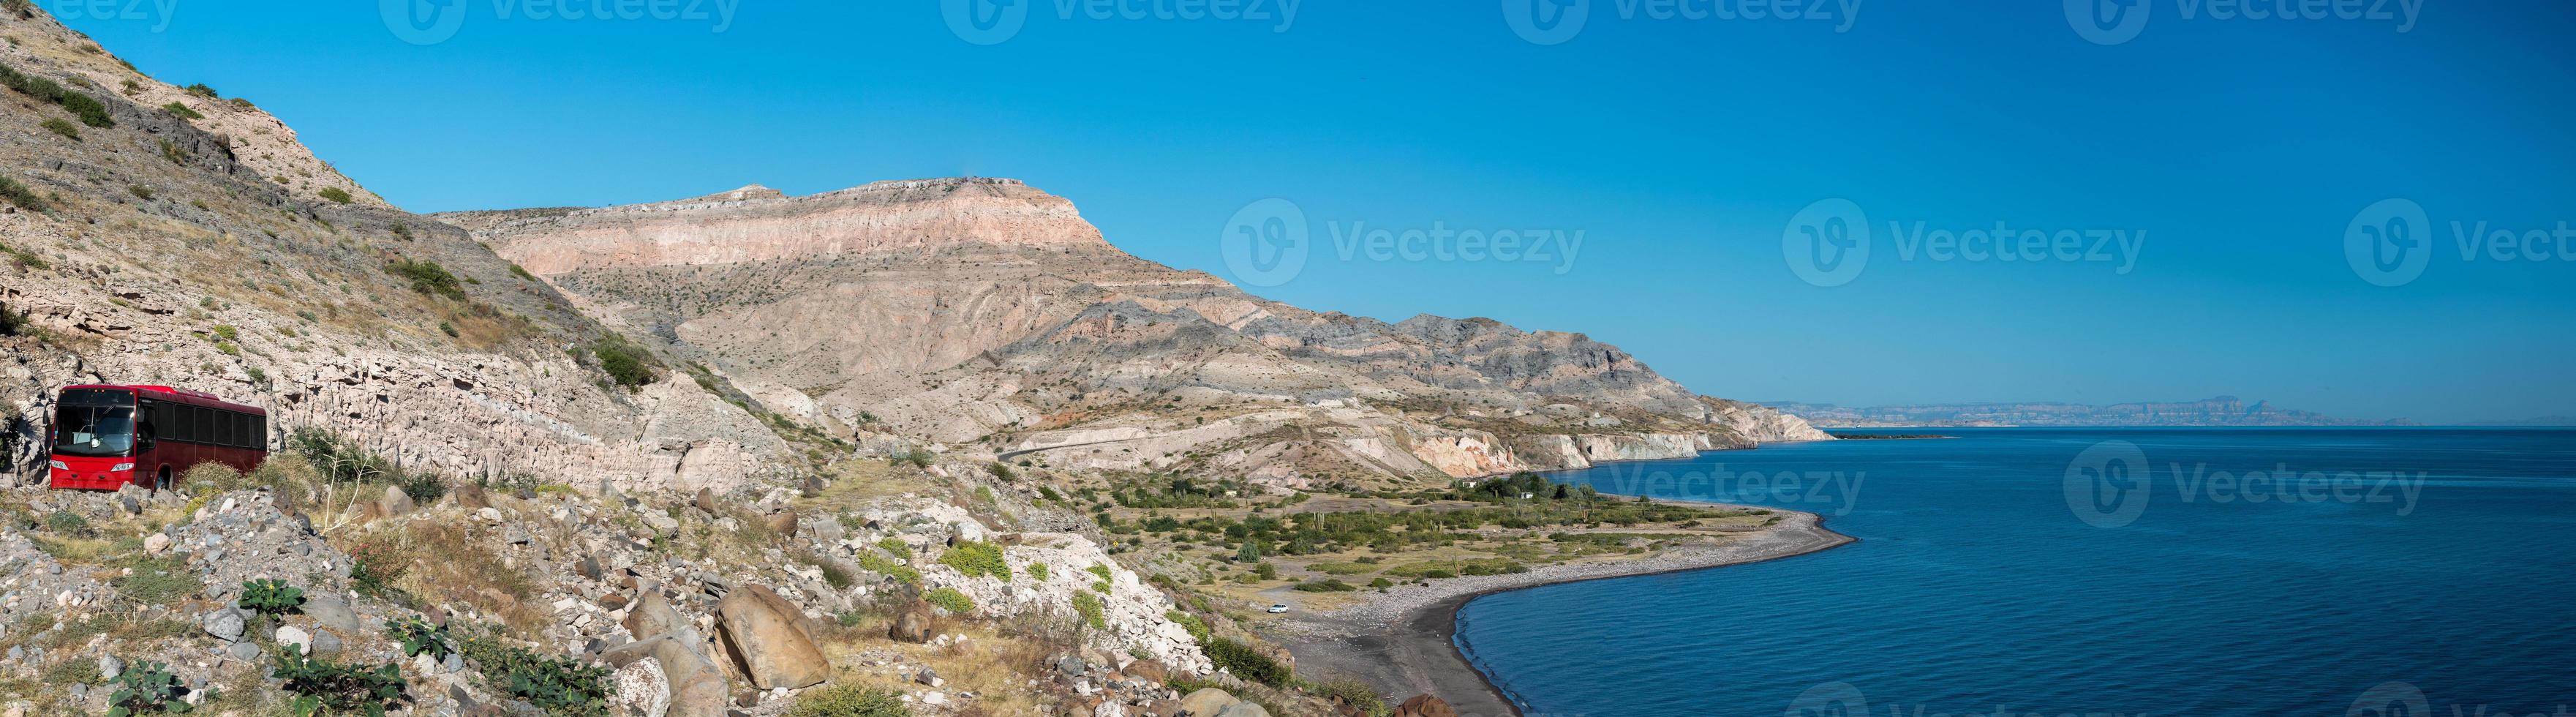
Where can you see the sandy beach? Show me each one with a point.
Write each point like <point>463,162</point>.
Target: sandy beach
<point>1400,641</point>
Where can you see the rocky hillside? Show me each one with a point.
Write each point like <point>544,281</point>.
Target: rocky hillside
<point>985,312</point>
<point>162,235</point>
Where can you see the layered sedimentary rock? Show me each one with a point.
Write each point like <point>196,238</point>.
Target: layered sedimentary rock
<point>984,311</point>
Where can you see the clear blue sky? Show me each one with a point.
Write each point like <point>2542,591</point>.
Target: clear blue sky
<point>1680,148</point>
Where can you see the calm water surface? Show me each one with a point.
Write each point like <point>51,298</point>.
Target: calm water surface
<point>1987,577</point>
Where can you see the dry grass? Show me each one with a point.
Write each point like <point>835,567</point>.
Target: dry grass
<point>992,664</point>
<point>444,562</point>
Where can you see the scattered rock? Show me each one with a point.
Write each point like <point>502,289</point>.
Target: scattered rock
<point>706,501</point>
<point>393,504</point>
<point>156,544</point>
<point>295,638</point>
<point>912,626</point>
<point>225,624</point>
<point>1207,701</point>
<point>782,523</point>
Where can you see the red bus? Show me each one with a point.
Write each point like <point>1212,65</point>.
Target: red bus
<point>106,437</point>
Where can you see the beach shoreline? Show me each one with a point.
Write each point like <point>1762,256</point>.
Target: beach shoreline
<point>1403,642</point>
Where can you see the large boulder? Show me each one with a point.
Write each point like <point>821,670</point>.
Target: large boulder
<point>1243,709</point>
<point>783,523</point>
<point>470,496</point>
<point>393,504</point>
<point>653,617</point>
<point>912,626</point>
<point>1207,702</point>
<point>1425,706</point>
<point>642,690</point>
<point>770,639</point>
<point>697,686</point>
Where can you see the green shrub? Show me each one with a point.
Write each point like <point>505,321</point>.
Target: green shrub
<point>1099,570</point>
<point>895,546</point>
<point>951,600</point>
<point>448,329</point>
<point>1246,662</point>
<point>902,573</point>
<point>849,700</point>
<point>336,194</point>
<point>1198,628</point>
<point>428,277</point>
<point>626,363</point>
<point>201,90</point>
<point>558,687</point>
<point>181,109</point>
<point>140,191</point>
<point>322,686</point>
<point>1328,585</point>
<point>1038,571</point>
<point>87,108</point>
<point>158,581</point>
<point>339,459</point>
<point>25,198</point>
<point>1093,612</point>
<point>147,688</point>
<point>66,523</point>
<point>271,597</point>
<point>521,272</point>
<point>62,127</point>
<point>977,558</point>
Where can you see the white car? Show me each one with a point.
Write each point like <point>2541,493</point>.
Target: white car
<point>1278,608</point>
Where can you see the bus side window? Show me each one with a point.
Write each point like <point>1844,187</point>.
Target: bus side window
<point>232,429</point>
<point>259,432</point>
<point>197,424</point>
<point>176,423</point>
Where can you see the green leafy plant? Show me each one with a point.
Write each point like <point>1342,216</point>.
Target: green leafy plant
<point>626,363</point>
<point>419,637</point>
<point>977,558</point>
<point>271,597</point>
<point>336,194</point>
<point>951,600</point>
<point>181,109</point>
<point>895,546</point>
<point>1039,571</point>
<point>323,686</point>
<point>147,688</point>
<point>1198,628</point>
<point>58,125</point>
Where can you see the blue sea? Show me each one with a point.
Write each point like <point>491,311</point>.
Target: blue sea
<point>2384,572</point>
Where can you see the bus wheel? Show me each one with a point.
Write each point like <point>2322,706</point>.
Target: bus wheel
<point>161,482</point>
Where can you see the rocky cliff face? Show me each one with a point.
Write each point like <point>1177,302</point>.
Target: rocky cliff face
<point>189,241</point>
<point>983,311</point>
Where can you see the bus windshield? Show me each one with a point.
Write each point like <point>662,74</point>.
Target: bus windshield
<point>97,424</point>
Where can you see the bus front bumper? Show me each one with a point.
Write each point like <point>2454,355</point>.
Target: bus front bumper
<point>83,475</point>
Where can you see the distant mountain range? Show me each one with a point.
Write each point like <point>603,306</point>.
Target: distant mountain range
<point>2220,411</point>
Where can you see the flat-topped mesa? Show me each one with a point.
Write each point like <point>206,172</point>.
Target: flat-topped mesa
<point>756,223</point>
